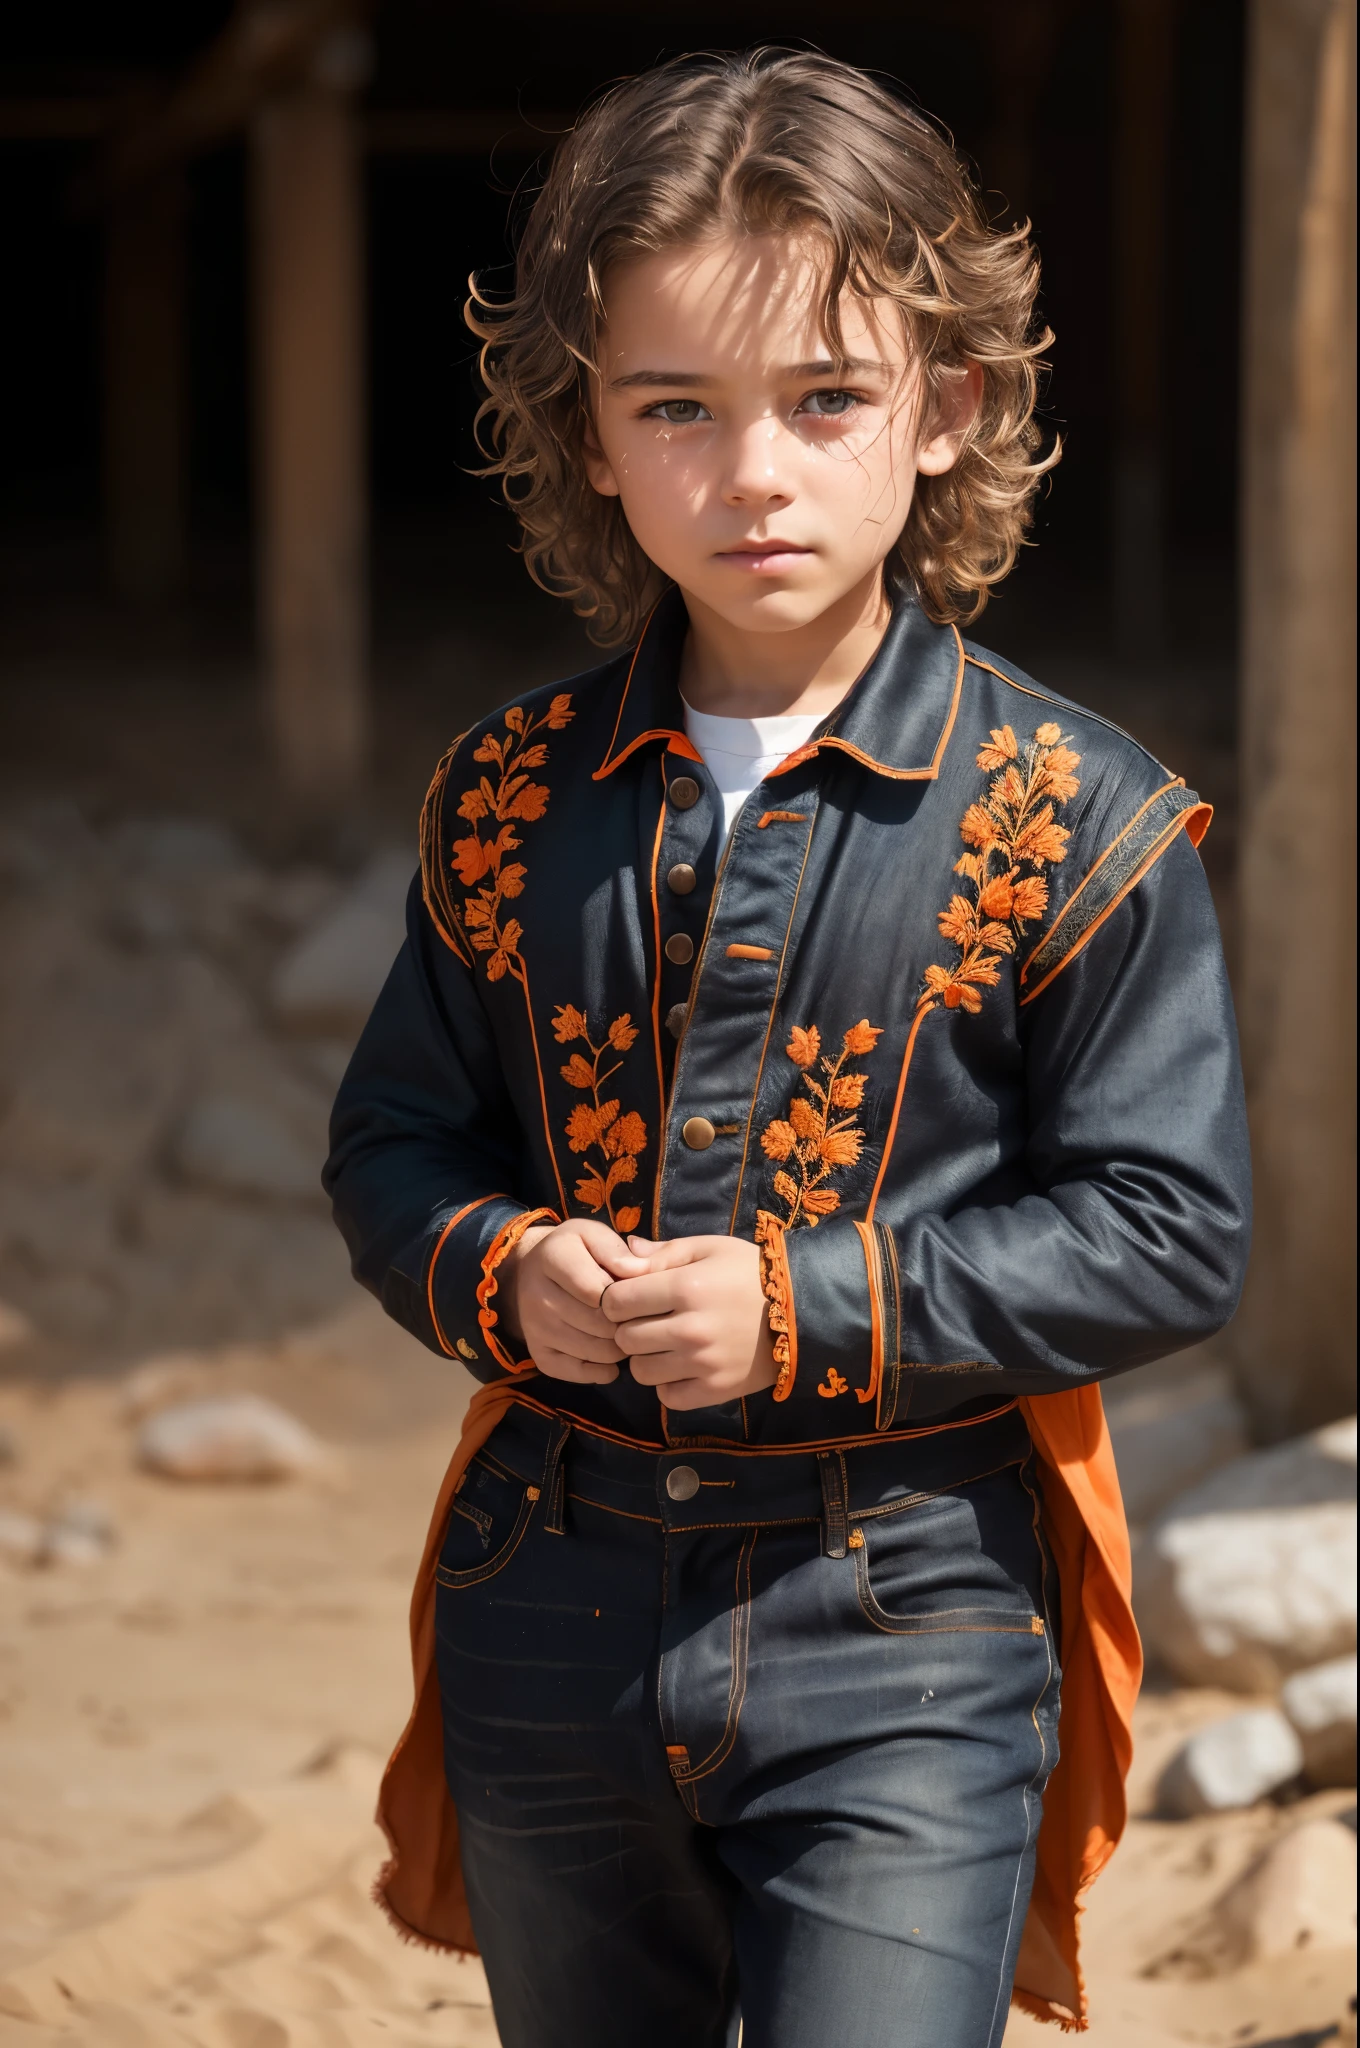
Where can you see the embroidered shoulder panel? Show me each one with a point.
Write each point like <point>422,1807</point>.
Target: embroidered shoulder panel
<point>1146,835</point>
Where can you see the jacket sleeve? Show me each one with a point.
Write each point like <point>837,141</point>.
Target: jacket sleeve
<point>1131,1239</point>
<point>426,1154</point>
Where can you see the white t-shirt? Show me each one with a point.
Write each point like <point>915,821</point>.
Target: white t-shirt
<point>740,752</point>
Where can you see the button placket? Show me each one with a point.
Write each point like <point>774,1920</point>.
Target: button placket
<point>719,1064</point>
<point>680,893</point>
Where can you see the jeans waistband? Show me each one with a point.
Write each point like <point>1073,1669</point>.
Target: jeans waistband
<point>678,1491</point>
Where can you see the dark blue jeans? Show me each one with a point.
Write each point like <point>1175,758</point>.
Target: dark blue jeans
<point>764,1733</point>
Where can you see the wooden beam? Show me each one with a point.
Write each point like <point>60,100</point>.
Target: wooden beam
<point>144,388</point>
<point>1295,1335</point>
<point>307,236</point>
<point>266,47</point>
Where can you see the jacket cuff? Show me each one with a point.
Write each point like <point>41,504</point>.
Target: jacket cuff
<point>460,1280</point>
<point>777,1288</point>
<point>830,1299</point>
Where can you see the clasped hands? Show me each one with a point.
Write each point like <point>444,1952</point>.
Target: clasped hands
<point>686,1316</point>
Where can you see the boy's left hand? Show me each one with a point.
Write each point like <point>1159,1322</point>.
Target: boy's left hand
<point>694,1325</point>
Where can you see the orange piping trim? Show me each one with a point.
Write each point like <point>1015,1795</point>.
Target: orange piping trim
<point>929,774</point>
<point>869,1242</point>
<point>680,742</point>
<point>923,1007</point>
<point>750,953</point>
<point>656,975</point>
<point>769,1028</point>
<point>499,1249</point>
<point>1154,854</point>
<point>451,1225</point>
<point>780,818</point>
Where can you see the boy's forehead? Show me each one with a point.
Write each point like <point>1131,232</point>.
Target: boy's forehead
<point>738,303</point>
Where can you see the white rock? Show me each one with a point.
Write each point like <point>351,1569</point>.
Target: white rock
<point>1251,1574</point>
<point>239,1146</point>
<point>240,1436</point>
<point>1167,1437</point>
<point>327,984</point>
<point>1321,1706</point>
<point>1233,1762</point>
<point>21,1538</point>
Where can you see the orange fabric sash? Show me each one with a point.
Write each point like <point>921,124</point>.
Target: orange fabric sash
<point>421,1886</point>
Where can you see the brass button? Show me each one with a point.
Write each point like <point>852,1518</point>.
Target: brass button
<point>680,948</point>
<point>675,1019</point>
<point>698,1133</point>
<point>684,792</point>
<point>681,879</point>
<point>682,1483</point>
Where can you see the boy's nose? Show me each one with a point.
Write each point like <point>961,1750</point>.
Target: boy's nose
<point>758,472</point>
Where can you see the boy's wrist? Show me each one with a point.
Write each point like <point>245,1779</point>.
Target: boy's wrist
<point>508,1278</point>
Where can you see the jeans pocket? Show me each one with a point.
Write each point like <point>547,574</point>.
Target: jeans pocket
<point>961,1563</point>
<point>487,1520</point>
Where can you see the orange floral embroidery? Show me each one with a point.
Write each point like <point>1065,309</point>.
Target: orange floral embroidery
<point>836,1383</point>
<point>480,863</point>
<point>596,1126</point>
<point>1012,828</point>
<point>813,1141</point>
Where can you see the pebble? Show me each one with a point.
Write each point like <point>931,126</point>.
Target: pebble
<point>239,1436</point>
<point>1320,1705</point>
<point>1231,1763</point>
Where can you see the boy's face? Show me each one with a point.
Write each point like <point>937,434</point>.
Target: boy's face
<point>767,478</point>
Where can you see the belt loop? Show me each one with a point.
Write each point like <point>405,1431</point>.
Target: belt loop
<point>554,1485</point>
<point>835,1530</point>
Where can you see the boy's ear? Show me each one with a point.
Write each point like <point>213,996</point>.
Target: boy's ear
<point>596,463</point>
<point>953,414</point>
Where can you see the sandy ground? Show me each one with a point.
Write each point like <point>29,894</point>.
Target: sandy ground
<point>193,1730</point>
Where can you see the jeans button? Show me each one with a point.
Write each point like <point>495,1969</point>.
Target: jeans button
<point>698,1133</point>
<point>682,1483</point>
<point>681,880</point>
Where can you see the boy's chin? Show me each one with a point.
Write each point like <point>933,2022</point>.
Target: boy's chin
<point>771,610</point>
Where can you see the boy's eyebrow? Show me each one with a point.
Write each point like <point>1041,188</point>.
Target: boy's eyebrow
<point>824,366</point>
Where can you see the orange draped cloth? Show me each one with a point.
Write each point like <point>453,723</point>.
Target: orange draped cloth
<point>421,1886</point>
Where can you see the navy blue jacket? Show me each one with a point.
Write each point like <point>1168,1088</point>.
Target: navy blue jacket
<point>944,1025</point>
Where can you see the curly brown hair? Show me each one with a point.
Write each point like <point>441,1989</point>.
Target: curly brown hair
<point>766,142</point>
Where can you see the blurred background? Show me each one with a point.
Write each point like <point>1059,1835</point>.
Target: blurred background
<point>250,587</point>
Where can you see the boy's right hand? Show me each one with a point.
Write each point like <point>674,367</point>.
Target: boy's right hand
<point>548,1295</point>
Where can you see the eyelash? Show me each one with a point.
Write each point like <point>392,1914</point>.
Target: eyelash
<point>658,411</point>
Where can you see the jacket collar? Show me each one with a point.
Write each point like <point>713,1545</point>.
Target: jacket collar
<point>896,720</point>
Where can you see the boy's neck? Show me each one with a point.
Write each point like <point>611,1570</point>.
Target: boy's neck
<point>731,672</point>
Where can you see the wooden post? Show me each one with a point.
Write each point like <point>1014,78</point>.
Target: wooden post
<point>144,388</point>
<point>1144,53</point>
<point>1295,1335</point>
<point>307,248</point>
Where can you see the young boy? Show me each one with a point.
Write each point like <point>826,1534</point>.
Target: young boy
<point>810,1070</point>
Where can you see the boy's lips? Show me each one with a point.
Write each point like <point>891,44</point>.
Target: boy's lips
<point>754,555</point>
